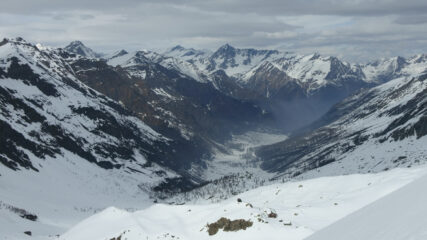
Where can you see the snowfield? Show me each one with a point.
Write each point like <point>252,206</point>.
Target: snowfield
<point>400,215</point>
<point>302,208</point>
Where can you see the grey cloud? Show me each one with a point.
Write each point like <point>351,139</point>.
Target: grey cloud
<point>412,19</point>
<point>267,7</point>
<point>357,29</point>
<point>86,16</point>
<point>320,7</point>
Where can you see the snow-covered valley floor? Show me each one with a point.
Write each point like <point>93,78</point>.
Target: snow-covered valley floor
<point>236,158</point>
<point>302,208</point>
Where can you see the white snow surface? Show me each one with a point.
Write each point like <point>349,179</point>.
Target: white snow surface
<point>400,215</point>
<point>65,191</point>
<point>302,208</point>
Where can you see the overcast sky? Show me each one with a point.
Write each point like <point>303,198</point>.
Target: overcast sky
<point>356,30</point>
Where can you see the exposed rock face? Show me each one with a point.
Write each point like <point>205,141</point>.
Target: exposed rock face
<point>228,226</point>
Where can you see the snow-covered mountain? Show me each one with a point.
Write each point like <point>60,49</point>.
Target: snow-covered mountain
<point>46,110</point>
<point>66,147</point>
<point>77,47</point>
<point>384,70</point>
<point>297,88</point>
<point>372,131</point>
<point>311,71</point>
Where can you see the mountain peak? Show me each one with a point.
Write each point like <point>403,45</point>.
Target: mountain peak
<point>225,51</point>
<point>177,48</point>
<point>79,48</point>
<point>226,47</point>
<point>76,43</point>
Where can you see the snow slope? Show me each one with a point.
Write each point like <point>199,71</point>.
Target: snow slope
<point>62,193</point>
<point>302,208</point>
<point>400,215</point>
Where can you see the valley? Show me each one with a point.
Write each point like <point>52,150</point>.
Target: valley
<point>156,145</point>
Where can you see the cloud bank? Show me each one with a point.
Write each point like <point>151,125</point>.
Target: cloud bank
<point>357,30</point>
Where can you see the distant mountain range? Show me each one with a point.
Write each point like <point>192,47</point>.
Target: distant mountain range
<point>297,89</point>
<point>192,100</point>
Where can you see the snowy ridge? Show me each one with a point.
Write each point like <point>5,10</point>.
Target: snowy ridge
<point>386,69</point>
<point>188,54</point>
<point>143,57</point>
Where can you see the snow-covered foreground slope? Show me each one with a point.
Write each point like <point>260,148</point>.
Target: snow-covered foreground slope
<point>400,215</point>
<point>63,192</point>
<point>302,208</point>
